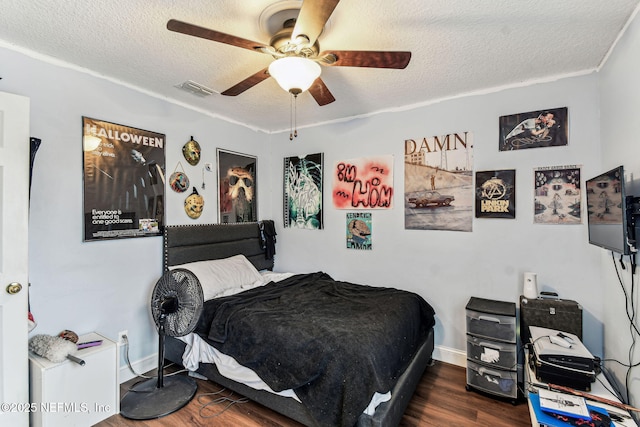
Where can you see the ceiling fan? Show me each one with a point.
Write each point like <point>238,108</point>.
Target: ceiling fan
<point>296,45</point>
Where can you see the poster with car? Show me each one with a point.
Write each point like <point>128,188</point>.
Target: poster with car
<point>124,180</point>
<point>303,191</point>
<point>557,195</point>
<point>496,194</point>
<point>534,129</point>
<point>359,231</point>
<point>438,182</point>
<point>237,194</point>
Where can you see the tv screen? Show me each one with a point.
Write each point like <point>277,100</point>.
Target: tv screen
<point>607,217</point>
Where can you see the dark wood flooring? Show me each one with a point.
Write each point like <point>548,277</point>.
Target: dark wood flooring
<point>441,400</point>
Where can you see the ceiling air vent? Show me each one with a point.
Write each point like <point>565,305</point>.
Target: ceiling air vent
<point>196,88</point>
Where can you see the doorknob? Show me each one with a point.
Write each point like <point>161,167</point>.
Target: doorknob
<point>14,288</point>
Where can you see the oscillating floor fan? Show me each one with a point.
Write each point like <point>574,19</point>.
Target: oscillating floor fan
<point>176,304</point>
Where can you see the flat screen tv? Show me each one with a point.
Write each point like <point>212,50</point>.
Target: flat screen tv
<point>606,211</point>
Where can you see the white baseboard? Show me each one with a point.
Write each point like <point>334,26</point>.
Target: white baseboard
<point>450,355</point>
<point>140,366</point>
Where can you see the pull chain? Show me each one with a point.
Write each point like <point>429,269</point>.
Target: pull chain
<point>293,116</point>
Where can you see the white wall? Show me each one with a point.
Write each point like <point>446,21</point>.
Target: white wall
<point>448,267</point>
<point>104,286</point>
<point>620,106</point>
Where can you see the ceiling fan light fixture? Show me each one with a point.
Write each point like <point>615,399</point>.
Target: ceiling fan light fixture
<point>294,74</point>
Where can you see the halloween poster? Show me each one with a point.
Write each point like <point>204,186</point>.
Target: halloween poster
<point>496,194</point>
<point>364,183</point>
<point>303,192</point>
<point>237,196</point>
<point>124,180</point>
<point>557,195</point>
<point>359,231</point>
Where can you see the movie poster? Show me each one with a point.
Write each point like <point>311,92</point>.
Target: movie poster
<point>557,195</point>
<point>359,231</point>
<point>543,128</point>
<point>438,182</point>
<point>303,191</point>
<point>364,183</point>
<point>237,194</point>
<point>123,169</point>
<point>496,194</point>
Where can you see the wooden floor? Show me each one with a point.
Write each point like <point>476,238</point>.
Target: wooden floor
<point>440,400</point>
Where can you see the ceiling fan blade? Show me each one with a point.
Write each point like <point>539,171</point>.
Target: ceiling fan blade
<point>312,17</point>
<point>216,36</point>
<point>248,83</point>
<point>321,93</point>
<point>367,58</point>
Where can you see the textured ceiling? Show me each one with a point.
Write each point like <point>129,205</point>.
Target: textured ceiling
<point>458,47</point>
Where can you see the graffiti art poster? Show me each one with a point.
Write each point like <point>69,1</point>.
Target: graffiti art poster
<point>303,191</point>
<point>359,231</point>
<point>364,183</point>
<point>557,195</point>
<point>543,128</point>
<point>496,194</point>
<point>124,176</point>
<point>438,182</point>
<point>237,194</point>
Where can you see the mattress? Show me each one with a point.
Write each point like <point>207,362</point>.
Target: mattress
<point>197,351</point>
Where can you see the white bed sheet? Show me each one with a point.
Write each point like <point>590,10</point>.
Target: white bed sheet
<point>199,351</point>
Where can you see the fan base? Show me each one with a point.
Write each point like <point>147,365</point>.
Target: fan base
<point>147,401</point>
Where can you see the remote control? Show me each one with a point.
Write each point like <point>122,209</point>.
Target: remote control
<point>566,337</point>
<point>559,341</point>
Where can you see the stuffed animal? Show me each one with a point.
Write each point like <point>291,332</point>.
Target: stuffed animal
<point>69,336</point>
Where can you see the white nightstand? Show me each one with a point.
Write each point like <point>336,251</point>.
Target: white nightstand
<point>67,394</point>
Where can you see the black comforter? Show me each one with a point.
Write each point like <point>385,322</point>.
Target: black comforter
<point>334,343</point>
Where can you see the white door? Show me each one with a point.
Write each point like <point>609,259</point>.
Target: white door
<point>14,282</point>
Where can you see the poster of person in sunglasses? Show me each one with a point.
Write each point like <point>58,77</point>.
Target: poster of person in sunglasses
<point>237,196</point>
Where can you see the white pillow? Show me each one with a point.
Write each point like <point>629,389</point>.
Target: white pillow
<point>219,275</point>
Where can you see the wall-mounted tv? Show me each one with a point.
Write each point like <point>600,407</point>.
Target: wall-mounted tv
<point>607,215</point>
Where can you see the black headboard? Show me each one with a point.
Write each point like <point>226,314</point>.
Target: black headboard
<point>190,243</point>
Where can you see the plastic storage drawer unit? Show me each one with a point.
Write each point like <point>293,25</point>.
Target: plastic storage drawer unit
<point>491,325</point>
<point>492,364</point>
<point>495,381</point>
<point>498,354</point>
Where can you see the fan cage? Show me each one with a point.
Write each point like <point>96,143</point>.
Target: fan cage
<point>184,286</point>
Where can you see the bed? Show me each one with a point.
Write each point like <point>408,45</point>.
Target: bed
<point>314,378</point>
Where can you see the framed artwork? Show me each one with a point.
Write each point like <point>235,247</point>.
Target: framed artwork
<point>364,183</point>
<point>534,129</point>
<point>496,194</point>
<point>438,183</point>
<point>237,195</point>
<point>557,195</point>
<point>359,231</point>
<point>303,191</point>
<point>124,180</point>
